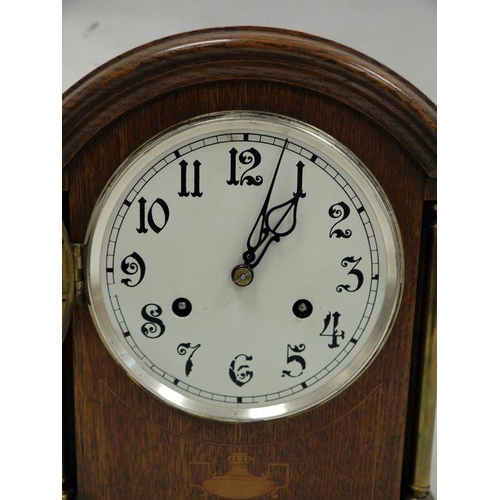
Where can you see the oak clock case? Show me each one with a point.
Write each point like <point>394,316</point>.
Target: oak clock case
<point>255,294</point>
<point>245,323</point>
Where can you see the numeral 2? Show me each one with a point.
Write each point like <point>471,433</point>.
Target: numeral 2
<point>340,211</point>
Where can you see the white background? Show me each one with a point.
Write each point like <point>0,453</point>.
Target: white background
<point>398,33</point>
<point>402,34</point>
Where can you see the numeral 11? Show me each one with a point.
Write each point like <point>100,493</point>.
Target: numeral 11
<point>196,179</point>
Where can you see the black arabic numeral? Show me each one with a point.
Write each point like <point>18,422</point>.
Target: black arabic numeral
<point>340,211</point>
<point>239,370</point>
<point>154,327</point>
<point>196,179</point>
<point>156,218</point>
<point>183,349</point>
<point>334,331</point>
<point>133,265</point>
<point>355,272</point>
<point>249,157</point>
<point>294,358</point>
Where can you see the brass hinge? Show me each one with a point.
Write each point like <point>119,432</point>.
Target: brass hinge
<point>78,268</point>
<point>73,289</point>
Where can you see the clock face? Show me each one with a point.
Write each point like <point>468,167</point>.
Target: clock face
<point>243,266</point>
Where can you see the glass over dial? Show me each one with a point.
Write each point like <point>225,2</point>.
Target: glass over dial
<point>243,266</point>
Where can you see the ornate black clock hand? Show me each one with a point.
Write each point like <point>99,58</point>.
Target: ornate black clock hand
<point>270,232</point>
<point>264,230</point>
<point>260,225</point>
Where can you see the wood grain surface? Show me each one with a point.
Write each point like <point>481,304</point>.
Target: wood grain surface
<point>127,444</point>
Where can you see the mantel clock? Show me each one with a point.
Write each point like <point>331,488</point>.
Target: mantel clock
<point>248,238</point>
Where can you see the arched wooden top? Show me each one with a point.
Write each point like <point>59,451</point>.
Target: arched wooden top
<point>254,53</point>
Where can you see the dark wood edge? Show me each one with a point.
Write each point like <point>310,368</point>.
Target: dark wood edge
<point>254,53</point>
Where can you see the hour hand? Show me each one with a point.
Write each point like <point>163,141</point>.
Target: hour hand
<point>260,232</point>
<point>269,226</point>
<point>272,228</point>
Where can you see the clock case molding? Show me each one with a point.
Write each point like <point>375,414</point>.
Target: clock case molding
<point>374,440</point>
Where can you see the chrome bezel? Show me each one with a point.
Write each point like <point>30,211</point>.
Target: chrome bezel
<point>329,147</point>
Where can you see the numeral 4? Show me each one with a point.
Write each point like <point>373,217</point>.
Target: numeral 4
<point>334,333</point>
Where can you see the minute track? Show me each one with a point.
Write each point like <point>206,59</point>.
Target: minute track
<point>187,245</point>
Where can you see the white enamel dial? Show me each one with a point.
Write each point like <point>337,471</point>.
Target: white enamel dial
<point>243,266</point>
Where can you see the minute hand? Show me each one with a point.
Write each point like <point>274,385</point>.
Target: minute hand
<point>265,232</point>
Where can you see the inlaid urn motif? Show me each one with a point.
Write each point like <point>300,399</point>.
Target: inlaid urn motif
<point>239,483</point>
